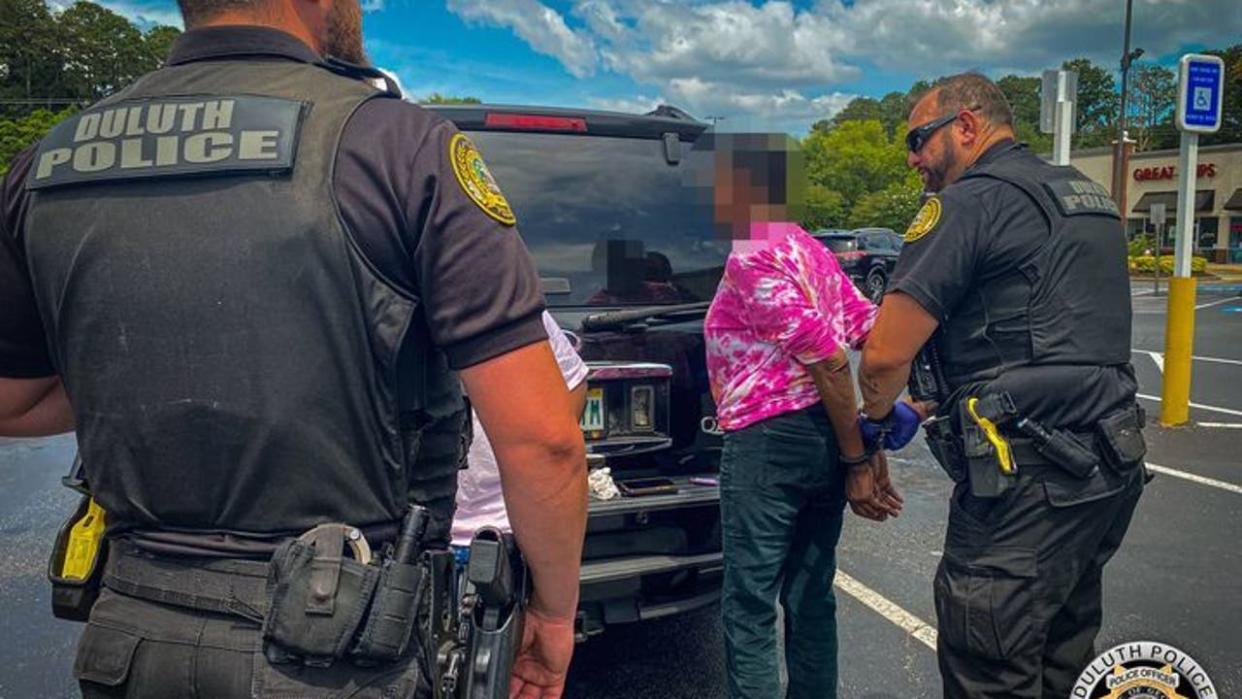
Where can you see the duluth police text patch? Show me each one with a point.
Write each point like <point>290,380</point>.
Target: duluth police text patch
<point>169,137</point>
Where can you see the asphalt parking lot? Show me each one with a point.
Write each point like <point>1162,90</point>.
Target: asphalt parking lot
<point>1175,580</point>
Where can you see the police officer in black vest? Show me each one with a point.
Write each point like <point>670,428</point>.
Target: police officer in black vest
<point>1014,276</point>
<point>251,281</point>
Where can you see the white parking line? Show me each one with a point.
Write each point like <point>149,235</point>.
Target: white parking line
<point>1158,359</point>
<point>1202,480</point>
<point>1200,406</point>
<point>1223,425</point>
<point>911,624</point>
<point>1217,302</point>
<point>1197,358</point>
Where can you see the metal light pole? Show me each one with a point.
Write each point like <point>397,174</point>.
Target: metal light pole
<point>1120,153</point>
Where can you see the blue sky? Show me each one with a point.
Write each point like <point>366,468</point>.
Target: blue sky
<point>760,64</point>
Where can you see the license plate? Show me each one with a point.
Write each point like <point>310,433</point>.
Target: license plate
<point>593,414</point>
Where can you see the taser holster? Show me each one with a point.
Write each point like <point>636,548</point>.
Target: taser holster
<point>76,565</point>
<point>990,463</point>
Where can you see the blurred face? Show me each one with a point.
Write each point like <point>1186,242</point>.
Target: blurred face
<point>939,158</point>
<point>739,200</point>
<point>342,32</point>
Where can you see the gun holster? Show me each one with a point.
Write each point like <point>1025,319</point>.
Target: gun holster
<point>498,577</point>
<point>946,447</point>
<point>75,567</point>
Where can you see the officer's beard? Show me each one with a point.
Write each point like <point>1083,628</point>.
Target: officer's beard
<point>943,173</point>
<point>344,32</point>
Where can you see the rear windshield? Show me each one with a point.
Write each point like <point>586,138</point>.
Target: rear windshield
<point>608,220</point>
<point>841,244</point>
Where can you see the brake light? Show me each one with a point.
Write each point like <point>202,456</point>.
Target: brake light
<point>535,122</point>
<point>852,256</point>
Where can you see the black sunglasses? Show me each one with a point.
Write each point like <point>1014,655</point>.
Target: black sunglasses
<point>918,137</point>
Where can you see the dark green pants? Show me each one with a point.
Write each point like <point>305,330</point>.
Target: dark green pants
<point>1018,591</point>
<point>782,498</point>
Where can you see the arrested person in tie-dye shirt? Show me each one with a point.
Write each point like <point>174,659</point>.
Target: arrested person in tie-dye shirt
<point>777,334</point>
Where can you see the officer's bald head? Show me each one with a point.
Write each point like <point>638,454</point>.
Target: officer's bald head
<point>972,91</point>
<point>954,123</point>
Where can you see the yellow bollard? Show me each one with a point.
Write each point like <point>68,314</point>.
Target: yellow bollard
<point>1179,336</point>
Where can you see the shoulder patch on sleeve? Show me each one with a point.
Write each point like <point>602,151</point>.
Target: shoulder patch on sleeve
<point>925,220</point>
<point>477,181</point>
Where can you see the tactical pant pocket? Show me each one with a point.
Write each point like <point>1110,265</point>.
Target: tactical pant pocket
<point>105,655</point>
<point>293,680</point>
<point>984,600</point>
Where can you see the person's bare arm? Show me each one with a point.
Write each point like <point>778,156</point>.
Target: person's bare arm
<point>834,382</point>
<point>34,407</point>
<point>901,329</point>
<point>528,414</point>
<point>577,399</point>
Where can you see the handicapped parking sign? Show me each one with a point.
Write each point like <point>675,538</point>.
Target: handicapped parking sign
<point>1199,97</point>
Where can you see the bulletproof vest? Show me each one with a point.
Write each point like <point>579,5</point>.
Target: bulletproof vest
<point>234,363</point>
<point>1057,327</point>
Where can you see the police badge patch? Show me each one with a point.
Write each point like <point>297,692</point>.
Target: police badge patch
<point>477,181</point>
<point>924,221</point>
<point>1144,670</point>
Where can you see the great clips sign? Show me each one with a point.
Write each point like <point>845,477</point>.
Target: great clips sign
<point>1168,172</point>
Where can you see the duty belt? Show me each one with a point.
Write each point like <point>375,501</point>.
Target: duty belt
<point>225,586</point>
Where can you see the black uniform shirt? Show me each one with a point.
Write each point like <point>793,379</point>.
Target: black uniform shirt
<point>400,202</point>
<point>983,229</point>
<point>978,230</point>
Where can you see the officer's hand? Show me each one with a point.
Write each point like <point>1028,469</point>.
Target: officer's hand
<point>543,658</point>
<point>896,429</point>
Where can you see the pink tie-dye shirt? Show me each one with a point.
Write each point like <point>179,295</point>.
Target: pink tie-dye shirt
<point>783,303</point>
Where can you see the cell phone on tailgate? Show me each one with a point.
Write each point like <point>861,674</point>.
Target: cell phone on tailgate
<point>636,487</point>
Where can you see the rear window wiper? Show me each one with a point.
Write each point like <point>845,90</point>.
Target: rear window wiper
<point>613,320</point>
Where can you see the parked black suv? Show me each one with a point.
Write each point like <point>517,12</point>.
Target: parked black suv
<point>868,255</point>
<point>629,265</point>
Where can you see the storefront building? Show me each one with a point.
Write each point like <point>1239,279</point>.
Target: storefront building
<point>1152,178</point>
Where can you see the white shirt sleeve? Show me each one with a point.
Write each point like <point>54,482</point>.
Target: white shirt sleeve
<point>572,367</point>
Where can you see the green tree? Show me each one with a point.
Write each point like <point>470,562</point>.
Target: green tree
<point>825,208</point>
<point>1096,107</point>
<point>856,158</point>
<point>1023,95</point>
<point>437,98</point>
<point>157,43</point>
<point>1152,99</point>
<point>17,134</point>
<point>29,50</point>
<point>892,207</point>
<point>1231,110</point>
<point>890,110</point>
<point>103,50</point>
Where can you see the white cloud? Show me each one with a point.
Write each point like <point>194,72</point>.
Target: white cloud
<point>372,5</point>
<point>722,42</point>
<point>934,37</point>
<point>770,60</point>
<point>543,28</point>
